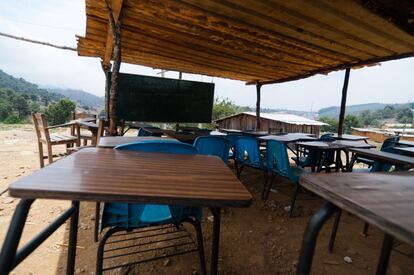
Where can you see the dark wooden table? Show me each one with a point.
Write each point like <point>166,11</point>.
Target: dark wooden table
<point>406,150</point>
<point>246,132</point>
<point>381,157</point>
<point>381,199</point>
<point>406,143</point>
<point>101,174</point>
<point>111,142</point>
<point>350,137</point>
<point>289,138</point>
<point>323,147</point>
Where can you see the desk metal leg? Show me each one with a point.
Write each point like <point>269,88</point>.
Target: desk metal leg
<point>334,230</point>
<point>311,235</point>
<point>8,251</point>
<point>215,240</point>
<point>73,238</point>
<point>385,254</point>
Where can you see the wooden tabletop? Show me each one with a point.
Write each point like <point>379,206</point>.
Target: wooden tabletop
<point>381,156</point>
<point>101,174</point>
<point>246,132</point>
<point>406,143</point>
<point>384,200</point>
<point>111,142</point>
<point>406,150</point>
<point>349,137</point>
<point>288,138</point>
<point>322,145</point>
<point>354,144</point>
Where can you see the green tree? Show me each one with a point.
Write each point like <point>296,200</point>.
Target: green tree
<point>5,110</point>
<point>332,126</point>
<point>224,107</point>
<point>59,112</point>
<point>34,106</point>
<point>404,115</point>
<point>20,105</point>
<point>351,121</point>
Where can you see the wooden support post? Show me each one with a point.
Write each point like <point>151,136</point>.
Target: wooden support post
<point>180,75</point>
<point>343,102</point>
<point>113,48</point>
<point>258,86</point>
<point>106,69</point>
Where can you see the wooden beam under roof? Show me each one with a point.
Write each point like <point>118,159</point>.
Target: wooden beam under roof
<point>109,46</point>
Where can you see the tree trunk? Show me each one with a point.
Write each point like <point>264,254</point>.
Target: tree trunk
<point>116,54</point>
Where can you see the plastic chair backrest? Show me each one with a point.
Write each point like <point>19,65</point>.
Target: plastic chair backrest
<point>159,146</point>
<point>327,137</point>
<point>213,145</point>
<point>232,139</point>
<point>149,213</point>
<point>247,150</point>
<point>277,158</point>
<point>142,132</point>
<point>387,146</point>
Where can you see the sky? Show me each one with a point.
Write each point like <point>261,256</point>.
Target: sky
<point>58,21</point>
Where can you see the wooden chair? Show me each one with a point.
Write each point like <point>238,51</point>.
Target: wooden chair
<point>77,128</point>
<point>44,137</point>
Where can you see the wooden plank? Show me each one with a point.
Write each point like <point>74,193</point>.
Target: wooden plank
<point>381,199</point>
<point>98,174</point>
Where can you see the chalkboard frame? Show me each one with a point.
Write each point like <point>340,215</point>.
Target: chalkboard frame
<point>157,99</point>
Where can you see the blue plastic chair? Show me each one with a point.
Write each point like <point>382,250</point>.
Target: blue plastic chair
<point>142,132</point>
<point>213,145</point>
<point>247,153</point>
<point>387,146</point>
<point>128,216</point>
<point>278,164</point>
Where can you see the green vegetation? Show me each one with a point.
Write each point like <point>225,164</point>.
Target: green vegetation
<point>59,112</point>
<point>225,107</point>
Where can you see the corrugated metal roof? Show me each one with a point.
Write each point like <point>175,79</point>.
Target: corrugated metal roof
<point>282,117</point>
<point>268,41</point>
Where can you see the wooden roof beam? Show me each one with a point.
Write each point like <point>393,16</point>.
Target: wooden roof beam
<point>336,68</point>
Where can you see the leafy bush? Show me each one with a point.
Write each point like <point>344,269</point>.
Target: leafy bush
<point>332,127</point>
<point>59,112</point>
<point>12,119</point>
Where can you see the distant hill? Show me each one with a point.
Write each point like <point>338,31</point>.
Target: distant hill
<point>47,95</point>
<point>81,97</point>
<point>333,111</point>
<point>24,87</point>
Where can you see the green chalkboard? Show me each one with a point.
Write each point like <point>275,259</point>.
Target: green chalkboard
<point>156,99</point>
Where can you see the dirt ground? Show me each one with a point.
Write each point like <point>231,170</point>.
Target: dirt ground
<point>261,239</point>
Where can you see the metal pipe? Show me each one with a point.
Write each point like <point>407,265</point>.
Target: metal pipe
<point>73,237</point>
<point>30,246</point>
<point>14,233</point>
<point>215,240</point>
<point>311,235</point>
<point>385,255</point>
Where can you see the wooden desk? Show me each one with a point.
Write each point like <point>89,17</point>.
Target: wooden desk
<point>350,137</point>
<point>288,138</point>
<point>246,132</point>
<point>382,199</point>
<point>381,157</point>
<point>406,150</point>
<point>406,143</point>
<point>111,142</point>
<point>100,174</point>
